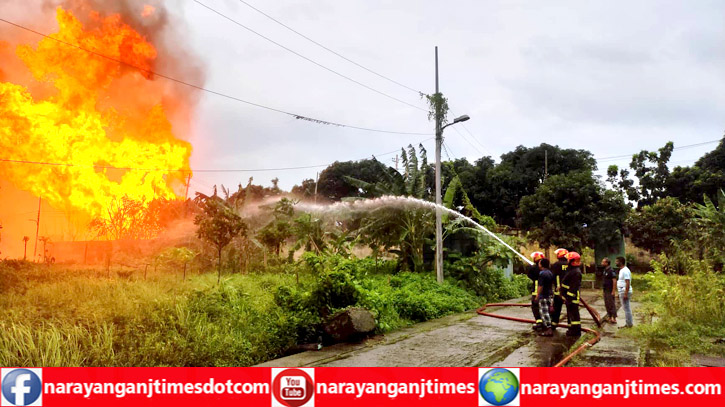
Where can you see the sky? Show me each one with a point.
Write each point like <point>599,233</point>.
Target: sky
<point>611,77</point>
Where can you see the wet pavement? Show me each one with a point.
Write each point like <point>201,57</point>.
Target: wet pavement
<point>470,339</point>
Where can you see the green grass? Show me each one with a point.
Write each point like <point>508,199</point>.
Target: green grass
<point>684,315</point>
<point>62,316</point>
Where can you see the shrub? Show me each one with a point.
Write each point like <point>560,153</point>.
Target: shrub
<point>334,290</point>
<point>487,281</point>
<point>689,310</point>
<point>419,297</point>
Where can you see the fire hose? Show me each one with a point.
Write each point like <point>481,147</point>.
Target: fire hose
<point>567,358</point>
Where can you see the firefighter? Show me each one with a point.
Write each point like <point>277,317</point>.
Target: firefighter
<point>573,280</point>
<point>559,269</point>
<point>533,273</point>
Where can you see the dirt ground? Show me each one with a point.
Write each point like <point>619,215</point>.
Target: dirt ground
<point>470,339</point>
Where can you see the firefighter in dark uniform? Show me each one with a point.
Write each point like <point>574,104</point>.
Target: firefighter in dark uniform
<point>559,269</point>
<point>533,273</point>
<point>573,280</point>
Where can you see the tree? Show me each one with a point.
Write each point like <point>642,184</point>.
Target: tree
<point>277,231</point>
<point>402,226</point>
<point>304,191</point>
<point>710,218</point>
<point>456,198</point>
<point>217,224</point>
<point>652,178</point>
<point>412,182</point>
<point>568,210</point>
<point>619,179</point>
<point>522,171</point>
<point>25,247</point>
<point>705,178</point>
<point>125,219</point>
<point>45,240</point>
<point>309,233</point>
<point>608,225</point>
<point>252,193</point>
<point>655,180</point>
<point>333,186</point>
<point>476,181</point>
<point>128,218</point>
<point>659,226</point>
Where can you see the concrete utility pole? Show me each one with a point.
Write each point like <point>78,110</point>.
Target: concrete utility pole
<point>188,181</point>
<point>439,224</point>
<point>438,111</point>
<point>186,195</point>
<point>317,181</point>
<point>37,229</point>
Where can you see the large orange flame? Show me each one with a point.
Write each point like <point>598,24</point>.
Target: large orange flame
<point>91,112</point>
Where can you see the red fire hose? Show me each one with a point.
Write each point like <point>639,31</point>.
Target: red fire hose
<point>567,358</point>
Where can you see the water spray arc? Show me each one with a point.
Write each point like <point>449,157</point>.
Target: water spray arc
<point>469,220</point>
<point>371,204</point>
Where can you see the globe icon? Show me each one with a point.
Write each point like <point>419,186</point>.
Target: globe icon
<point>498,387</point>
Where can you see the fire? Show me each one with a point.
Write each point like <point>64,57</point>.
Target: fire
<point>88,111</point>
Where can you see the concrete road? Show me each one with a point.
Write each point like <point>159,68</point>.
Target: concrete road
<point>470,339</point>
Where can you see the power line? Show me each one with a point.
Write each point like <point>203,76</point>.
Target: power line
<point>617,157</point>
<point>308,59</point>
<point>106,167</point>
<point>185,171</point>
<point>330,50</point>
<point>468,141</point>
<point>448,153</point>
<point>201,88</point>
<point>473,137</point>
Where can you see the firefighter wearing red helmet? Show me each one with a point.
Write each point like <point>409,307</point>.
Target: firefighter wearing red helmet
<point>559,269</point>
<point>573,280</point>
<point>533,274</point>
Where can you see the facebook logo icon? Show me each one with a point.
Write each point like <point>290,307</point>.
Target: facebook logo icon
<point>22,387</point>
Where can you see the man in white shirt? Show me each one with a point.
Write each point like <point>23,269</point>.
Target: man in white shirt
<point>624,287</point>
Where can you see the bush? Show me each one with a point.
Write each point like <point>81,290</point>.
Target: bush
<point>9,277</point>
<point>395,301</point>
<point>689,310</point>
<point>419,297</point>
<point>334,290</point>
<point>487,281</point>
<point>318,263</point>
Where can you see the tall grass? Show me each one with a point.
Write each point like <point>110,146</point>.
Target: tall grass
<point>687,313</point>
<point>67,317</point>
<point>87,317</point>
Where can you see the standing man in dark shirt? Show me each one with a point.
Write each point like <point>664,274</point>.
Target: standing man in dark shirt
<point>533,273</point>
<point>573,280</point>
<point>559,270</point>
<point>609,284</point>
<point>546,280</point>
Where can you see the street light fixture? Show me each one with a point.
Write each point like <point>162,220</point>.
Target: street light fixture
<point>459,119</point>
